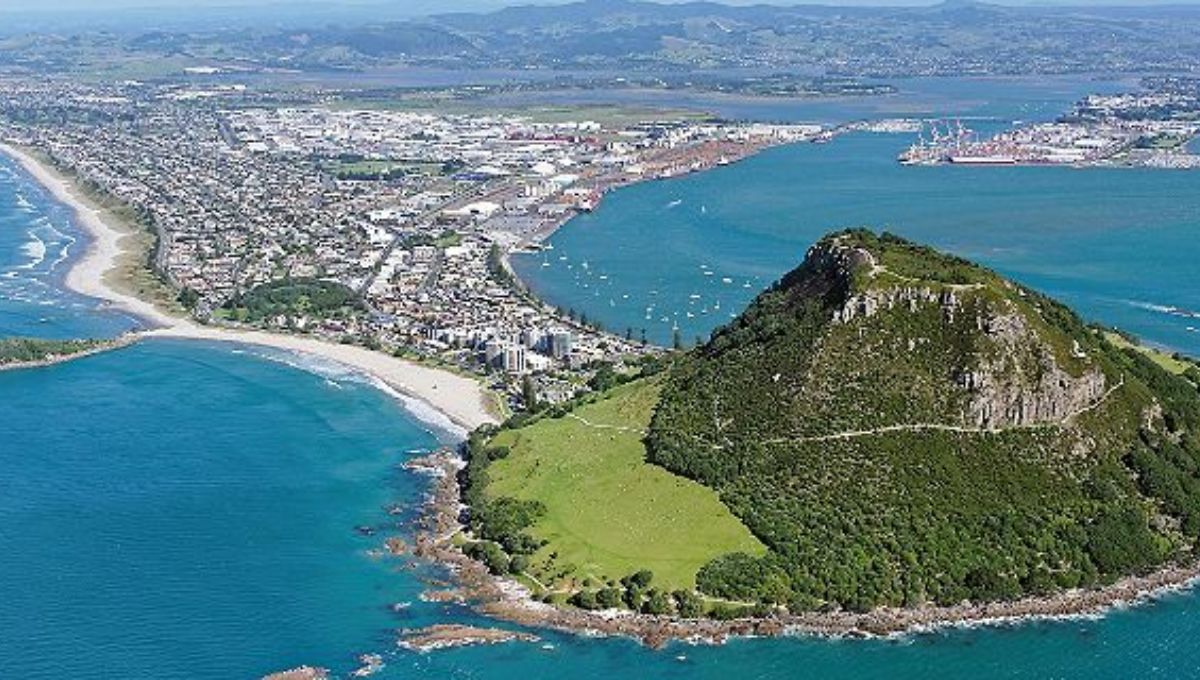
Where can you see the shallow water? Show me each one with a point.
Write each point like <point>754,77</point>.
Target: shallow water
<point>37,243</point>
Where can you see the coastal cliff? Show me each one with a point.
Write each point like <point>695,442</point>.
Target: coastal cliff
<point>1012,374</point>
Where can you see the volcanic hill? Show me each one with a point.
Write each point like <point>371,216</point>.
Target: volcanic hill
<point>895,427</point>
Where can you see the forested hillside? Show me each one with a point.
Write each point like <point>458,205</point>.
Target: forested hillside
<point>900,426</point>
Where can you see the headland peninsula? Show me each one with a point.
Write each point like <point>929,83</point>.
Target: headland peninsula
<point>888,439</point>
<point>776,601</point>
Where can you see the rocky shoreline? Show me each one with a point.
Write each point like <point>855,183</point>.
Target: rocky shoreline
<point>507,600</point>
<point>448,636</point>
<point>300,673</point>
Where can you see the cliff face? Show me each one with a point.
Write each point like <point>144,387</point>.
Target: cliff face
<point>899,426</point>
<point>1011,376</point>
<point>1007,392</point>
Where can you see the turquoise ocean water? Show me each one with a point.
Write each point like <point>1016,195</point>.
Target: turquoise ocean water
<point>194,510</point>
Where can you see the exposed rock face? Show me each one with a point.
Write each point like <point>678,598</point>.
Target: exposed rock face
<point>870,303</point>
<point>839,259</point>
<point>1022,384</point>
<point>1055,397</point>
<point>1014,379</point>
<point>827,271</point>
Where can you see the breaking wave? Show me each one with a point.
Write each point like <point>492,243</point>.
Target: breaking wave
<point>35,250</point>
<point>1166,309</point>
<point>436,422</point>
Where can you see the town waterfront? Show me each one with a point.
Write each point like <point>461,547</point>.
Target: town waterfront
<point>180,509</point>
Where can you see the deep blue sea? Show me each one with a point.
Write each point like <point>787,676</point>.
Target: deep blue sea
<point>193,510</point>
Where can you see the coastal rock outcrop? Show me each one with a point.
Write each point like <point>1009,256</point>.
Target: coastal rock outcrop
<point>1020,382</point>
<point>446,636</point>
<point>300,673</point>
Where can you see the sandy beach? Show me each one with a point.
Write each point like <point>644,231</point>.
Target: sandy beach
<point>461,400</point>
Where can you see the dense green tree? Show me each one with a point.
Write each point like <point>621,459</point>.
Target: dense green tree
<point>490,554</point>
<point>585,599</point>
<point>657,603</point>
<point>688,604</point>
<point>609,598</point>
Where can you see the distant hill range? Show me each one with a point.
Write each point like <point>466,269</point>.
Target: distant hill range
<point>894,426</point>
<point>953,38</point>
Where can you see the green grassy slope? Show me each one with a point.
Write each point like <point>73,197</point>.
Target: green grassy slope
<point>1172,363</point>
<point>607,512</point>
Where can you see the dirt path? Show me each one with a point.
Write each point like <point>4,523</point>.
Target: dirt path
<point>940,427</point>
<point>602,426</point>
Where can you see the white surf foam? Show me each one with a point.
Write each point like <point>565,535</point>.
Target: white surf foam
<point>1151,307</point>
<point>436,422</point>
<point>63,254</point>
<point>35,250</point>
<point>1166,309</point>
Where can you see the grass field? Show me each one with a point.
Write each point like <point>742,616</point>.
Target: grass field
<point>1167,361</point>
<point>608,512</point>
